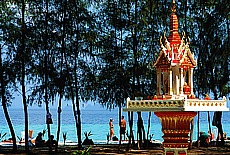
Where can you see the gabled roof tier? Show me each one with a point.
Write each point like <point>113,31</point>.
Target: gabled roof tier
<point>162,60</point>
<point>187,60</point>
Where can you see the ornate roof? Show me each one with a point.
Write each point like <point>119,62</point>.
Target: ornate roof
<point>187,59</point>
<point>175,49</point>
<point>163,59</point>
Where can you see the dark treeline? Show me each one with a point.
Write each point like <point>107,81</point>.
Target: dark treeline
<point>103,51</point>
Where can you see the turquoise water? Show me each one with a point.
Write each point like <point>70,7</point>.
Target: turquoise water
<point>94,119</point>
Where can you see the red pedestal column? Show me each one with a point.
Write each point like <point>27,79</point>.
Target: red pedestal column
<point>176,127</point>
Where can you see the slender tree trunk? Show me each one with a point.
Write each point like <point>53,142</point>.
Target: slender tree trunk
<point>139,130</point>
<point>75,116</point>
<point>220,129</point>
<point>131,137</point>
<point>129,130</point>
<point>120,65</point>
<point>149,123</point>
<point>47,112</point>
<point>59,120</point>
<point>25,109</point>
<point>219,124</point>
<point>78,119</point>
<point>209,124</point>
<point>78,114</point>
<point>119,117</point>
<point>4,104</point>
<point>62,79</point>
<point>46,76</point>
<point>135,42</point>
<point>22,51</point>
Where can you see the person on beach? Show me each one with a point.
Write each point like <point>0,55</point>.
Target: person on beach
<point>210,136</point>
<point>111,128</point>
<point>224,135</point>
<point>50,140</point>
<point>204,139</point>
<point>122,127</point>
<point>38,141</point>
<point>217,122</point>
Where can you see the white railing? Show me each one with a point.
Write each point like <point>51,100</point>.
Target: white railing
<point>176,105</point>
<point>206,105</point>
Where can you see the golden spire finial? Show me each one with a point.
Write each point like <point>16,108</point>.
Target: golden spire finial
<point>173,6</point>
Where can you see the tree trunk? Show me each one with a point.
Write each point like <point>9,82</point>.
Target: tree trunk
<point>131,137</point>
<point>219,126</point>
<point>130,130</point>
<point>26,115</point>
<point>61,87</point>
<point>61,82</point>
<point>139,128</point>
<point>219,122</point>
<point>149,123</point>
<point>78,120</point>
<point>119,117</point>
<point>59,120</point>
<point>22,51</point>
<point>76,113</point>
<point>4,104</point>
<point>209,124</point>
<point>75,118</point>
<point>46,76</point>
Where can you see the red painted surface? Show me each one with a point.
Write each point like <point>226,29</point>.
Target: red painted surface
<point>169,153</point>
<point>181,153</point>
<point>176,127</point>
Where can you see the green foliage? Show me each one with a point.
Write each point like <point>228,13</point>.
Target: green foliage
<point>111,46</point>
<point>83,152</point>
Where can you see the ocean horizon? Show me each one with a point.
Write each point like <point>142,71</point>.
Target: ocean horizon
<point>94,118</point>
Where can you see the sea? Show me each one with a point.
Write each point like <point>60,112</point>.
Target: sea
<point>94,119</point>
